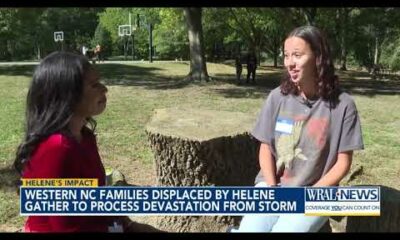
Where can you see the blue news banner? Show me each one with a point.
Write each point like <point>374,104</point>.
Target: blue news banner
<point>198,201</point>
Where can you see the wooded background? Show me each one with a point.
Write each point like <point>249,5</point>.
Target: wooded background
<point>360,37</point>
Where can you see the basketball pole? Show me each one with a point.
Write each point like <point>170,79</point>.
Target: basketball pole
<point>127,35</point>
<point>133,49</point>
<point>150,43</point>
<point>132,37</point>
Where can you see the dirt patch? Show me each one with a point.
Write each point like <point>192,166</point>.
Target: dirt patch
<point>138,174</point>
<point>9,228</point>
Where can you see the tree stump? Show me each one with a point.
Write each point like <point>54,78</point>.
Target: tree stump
<point>195,147</point>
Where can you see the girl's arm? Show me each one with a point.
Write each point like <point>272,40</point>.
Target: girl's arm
<point>338,171</point>
<point>267,164</point>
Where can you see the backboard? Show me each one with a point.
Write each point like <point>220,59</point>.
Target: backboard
<point>58,36</point>
<point>125,30</point>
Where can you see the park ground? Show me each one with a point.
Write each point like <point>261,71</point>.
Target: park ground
<point>137,89</point>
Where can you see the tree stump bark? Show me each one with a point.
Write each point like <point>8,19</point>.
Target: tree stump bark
<point>195,147</point>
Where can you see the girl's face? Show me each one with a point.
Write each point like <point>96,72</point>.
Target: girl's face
<point>94,96</point>
<point>299,61</point>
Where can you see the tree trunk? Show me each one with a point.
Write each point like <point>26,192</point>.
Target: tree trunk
<point>338,31</point>
<point>276,53</point>
<point>10,49</point>
<point>343,33</point>
<point>125,48</point>
<point>376,54</point>
<point>197,153</point>
<point>38,53</point>
<point>310,14</point>
<point>198,67</point>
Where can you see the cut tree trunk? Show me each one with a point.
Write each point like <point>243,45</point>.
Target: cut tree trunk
<point>195,147</point>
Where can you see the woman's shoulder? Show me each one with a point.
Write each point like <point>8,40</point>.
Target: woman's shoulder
<point>58,141</point>
<point>63,141</point>
<point>346,100</point>
<point>276,93</point>
<point>50,152</point>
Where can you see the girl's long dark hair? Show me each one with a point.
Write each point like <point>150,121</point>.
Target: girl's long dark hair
<point>327,81</point>
<point>54,92</point>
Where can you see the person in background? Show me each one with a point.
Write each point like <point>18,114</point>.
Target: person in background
<point>308,129</point>
<point>238,65</point>
<point>251,67</point>
<point>99,52</point>
<point>84,50</point>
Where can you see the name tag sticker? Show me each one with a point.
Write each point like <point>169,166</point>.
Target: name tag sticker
<point>284,125</point>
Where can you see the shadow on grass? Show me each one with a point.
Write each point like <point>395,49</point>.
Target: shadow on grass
<point>9,179</point>
<point>362,83</point>
<point>116,74</point>
<point>129,75</point>
<point>17,70</point>
<point>265,82</point>
<point>354,82</point>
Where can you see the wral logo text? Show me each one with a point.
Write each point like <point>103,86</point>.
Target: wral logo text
<point>343,201</point>
<point>347,194</point>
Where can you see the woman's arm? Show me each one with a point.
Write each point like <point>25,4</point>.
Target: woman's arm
<point>267,164</point>
<point>338,171</point>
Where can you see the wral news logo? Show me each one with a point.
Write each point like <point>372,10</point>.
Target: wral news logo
<point>347,194</point>
<point>342,201</point>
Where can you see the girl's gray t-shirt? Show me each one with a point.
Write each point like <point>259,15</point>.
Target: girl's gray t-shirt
<point>306,136</point>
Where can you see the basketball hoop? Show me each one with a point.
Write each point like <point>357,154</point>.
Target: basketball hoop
<point>125,30</point>
<point>58,36</point>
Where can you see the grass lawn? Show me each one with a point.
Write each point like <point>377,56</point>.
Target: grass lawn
<point>135,90</point>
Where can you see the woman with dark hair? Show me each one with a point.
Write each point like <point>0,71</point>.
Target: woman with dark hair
<point>308,130</point>
<point>59,141</point>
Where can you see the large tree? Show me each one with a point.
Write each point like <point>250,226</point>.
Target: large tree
<point>198,67</point>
